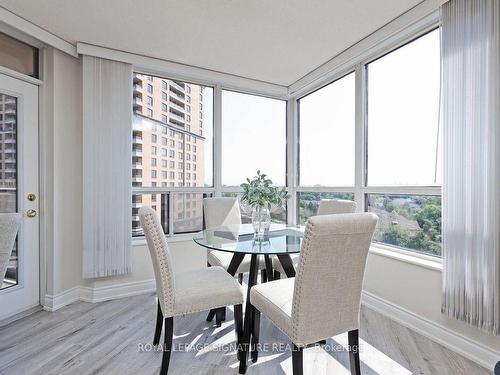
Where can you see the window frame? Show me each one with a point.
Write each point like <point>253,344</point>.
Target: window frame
<point>222,189</point>
<point>170,191</point>
<point>361,188</point>
<point>344,65</point>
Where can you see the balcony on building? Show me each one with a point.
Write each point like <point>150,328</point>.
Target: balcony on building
<point>137,150</point>
<point>178,85</point>
<point>175,92</point>
<point>137,137</point>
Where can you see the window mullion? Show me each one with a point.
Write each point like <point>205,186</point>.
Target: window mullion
<point>292,159</point>
<point>217,175</point>
<point>360,137</point>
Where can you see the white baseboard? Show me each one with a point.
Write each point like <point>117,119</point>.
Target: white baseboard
<point>99,294</point>
<point>55,302</point>
<point>452,340</point>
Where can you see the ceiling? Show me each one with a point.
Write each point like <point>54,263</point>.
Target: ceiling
<point>277,41</point>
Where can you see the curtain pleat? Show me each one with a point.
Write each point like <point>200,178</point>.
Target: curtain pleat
<point>107,167</point>
<point>471,185</point>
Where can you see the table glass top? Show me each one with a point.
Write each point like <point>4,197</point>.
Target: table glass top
<point>240,239</point>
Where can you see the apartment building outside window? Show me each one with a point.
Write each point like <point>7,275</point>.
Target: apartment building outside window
<point>166,116</point>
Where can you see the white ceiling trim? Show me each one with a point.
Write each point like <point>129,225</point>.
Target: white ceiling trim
<point>421,16</point>
<point>186,72</point>
<point>18,23</point>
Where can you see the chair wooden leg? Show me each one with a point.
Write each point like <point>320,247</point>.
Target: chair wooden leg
<point>255,335</point>
<point>211,315</point>
<point>240,278</point>
<point>353,344</point>
<point>297,363</point>
<point>277,275</point>
<point>167,349</point>
<point>263,276</point>
<point>159,325</point>
<point>219,316</point>
<point>238,326</point>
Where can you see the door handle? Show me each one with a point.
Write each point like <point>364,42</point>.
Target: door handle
<point>31,213</point>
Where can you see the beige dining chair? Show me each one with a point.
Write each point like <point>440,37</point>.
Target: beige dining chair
<point>220,212</point>
<point>326,207</point>
<point>9,226</point>
<point>185,292</point>
<point>323,300</point>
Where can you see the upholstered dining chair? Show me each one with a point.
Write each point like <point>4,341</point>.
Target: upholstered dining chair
<point>185,292</point>
<point>219,212</point>
<point>323,300</point>
<point>9,226</point>
<point>326,207</point>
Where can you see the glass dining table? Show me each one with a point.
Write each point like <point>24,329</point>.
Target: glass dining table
<point>280,241</point>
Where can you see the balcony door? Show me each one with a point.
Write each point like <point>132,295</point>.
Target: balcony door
<point>20,286</point>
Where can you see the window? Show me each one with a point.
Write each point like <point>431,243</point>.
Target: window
<point>150,112</point>
<point>252,116</point>
<point>18,56</point>
<point>399,163</point>
<point>403,110</point>
<point>145,127</point>
<point>408,221</point>
<point>308,203</point>
<point>326,133</point>
<point>403,145</point>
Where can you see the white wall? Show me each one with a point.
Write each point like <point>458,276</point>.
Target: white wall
<point>61,170</point>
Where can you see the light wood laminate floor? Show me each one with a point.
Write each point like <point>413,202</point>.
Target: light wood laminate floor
<point>115,337</point>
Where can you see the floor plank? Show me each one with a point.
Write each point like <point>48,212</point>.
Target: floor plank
<point>114,337</point>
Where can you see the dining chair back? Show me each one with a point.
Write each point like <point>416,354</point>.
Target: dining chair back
<point>327,290</point>
<point>160,257</point>
<point>219,212</point>
<point>9,226</point>
<point>336,206</point>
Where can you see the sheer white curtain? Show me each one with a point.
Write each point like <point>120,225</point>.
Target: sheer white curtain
<point>471,185</point>
<point>107,170</point>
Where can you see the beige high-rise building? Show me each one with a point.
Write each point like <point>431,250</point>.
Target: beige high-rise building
<point>168,148</point>
<point>8,152</point>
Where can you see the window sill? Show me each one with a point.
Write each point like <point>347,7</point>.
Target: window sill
<point>422,260</point>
